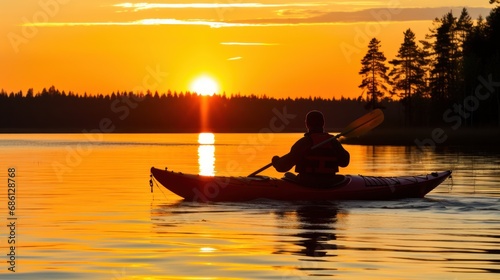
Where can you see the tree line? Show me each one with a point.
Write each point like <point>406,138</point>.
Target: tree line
<point>456,67</point>
<point>52,110</point>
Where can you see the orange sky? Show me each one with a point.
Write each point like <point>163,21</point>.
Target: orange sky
<point>278,48</point>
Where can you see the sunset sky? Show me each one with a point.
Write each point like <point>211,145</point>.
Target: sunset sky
<point>280,48</point>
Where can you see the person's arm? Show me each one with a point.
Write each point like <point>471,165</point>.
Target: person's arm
<point>286,162</point>
<point>343,157</point>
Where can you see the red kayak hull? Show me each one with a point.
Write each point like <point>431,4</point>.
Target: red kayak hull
<point>355,187</point>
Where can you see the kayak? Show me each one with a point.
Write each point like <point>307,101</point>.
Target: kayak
<point>194,187</point>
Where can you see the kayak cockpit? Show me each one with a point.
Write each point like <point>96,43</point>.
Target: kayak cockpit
<point>329,183</point>
<point>259,178</point>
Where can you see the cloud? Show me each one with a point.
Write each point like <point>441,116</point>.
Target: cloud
<point>303,13</point>
<point>367,15</point>
<point>150,21</point>
<point>146,6</point>
<point>161,21</point>
<point>235,58</point>
<point>326,18</point>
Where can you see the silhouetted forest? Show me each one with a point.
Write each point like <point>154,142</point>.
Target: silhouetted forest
<point>453,76</point>
<point>52,110</point>
<point>451,79</point>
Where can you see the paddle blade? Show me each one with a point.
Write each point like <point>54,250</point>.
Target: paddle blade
<point>363,124</point>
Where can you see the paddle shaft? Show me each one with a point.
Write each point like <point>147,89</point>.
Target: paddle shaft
<point>261,169</point>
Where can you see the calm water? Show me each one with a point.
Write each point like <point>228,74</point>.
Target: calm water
<point>84,210</point>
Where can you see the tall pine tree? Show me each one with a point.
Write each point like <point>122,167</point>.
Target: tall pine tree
<point>446,79</point>
<point>408,74</point>
<point>374,74</point>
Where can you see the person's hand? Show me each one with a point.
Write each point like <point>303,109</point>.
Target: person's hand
<point>336,142</point>
<point>275,159</point>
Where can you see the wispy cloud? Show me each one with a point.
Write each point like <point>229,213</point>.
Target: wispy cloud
<point>370,15</point>
<point>235,58</point>
<point>304,13</point>
<point>326,18</point>
<point>360,3</point>
<point>163,21</point>
<point>146,6</point>
<point>151,21</point>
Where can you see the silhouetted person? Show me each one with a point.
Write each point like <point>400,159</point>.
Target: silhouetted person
<point>314,166</point>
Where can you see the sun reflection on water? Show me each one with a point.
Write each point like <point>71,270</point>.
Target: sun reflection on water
<point>206,153</point>
<point>207,250</point>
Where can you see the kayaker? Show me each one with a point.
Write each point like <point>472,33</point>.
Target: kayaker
<point>317,165</point>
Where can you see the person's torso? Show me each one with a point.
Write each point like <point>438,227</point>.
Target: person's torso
<point>321,160</point>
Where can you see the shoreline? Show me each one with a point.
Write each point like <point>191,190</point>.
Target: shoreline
<point>421,136</point>
<point>430,137</point>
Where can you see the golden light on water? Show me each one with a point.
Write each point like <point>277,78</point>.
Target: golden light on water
<point>232,241</point>
<point>207,250</point>
<point>206,138</point>
<point>206,153</point>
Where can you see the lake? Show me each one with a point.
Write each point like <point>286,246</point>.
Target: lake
<point>80,206</point>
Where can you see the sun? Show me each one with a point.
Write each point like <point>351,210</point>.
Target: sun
<point>204,85</point>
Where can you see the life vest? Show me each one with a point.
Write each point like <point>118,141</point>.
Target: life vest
<point>321,160</point>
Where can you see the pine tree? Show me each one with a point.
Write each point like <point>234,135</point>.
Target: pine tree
<point>408,74</point>
<point>373,71</point>
<point>442,49</point>
<point>463,28</point>
<point>446,81</point>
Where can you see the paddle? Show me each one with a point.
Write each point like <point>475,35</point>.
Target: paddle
<point>358,127</point>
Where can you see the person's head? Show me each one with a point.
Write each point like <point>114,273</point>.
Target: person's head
<point>315,121</point>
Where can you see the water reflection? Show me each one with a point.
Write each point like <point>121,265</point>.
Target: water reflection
<point>317,225</point>
<point>69,233</point>
<point>378,240</point>
<point>206,153</point>
<point>316,244</point>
